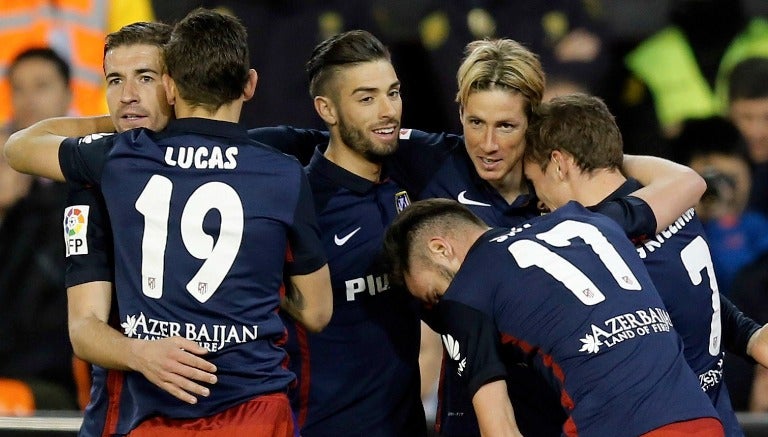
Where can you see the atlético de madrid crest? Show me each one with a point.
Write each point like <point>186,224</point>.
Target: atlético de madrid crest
<point>401,201</point>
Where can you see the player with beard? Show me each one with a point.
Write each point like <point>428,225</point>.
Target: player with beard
<point>360,375</point>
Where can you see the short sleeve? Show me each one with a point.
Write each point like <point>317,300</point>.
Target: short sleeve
<point>305,248</point>
<point>82,159</point>
<point>87,236</point>
<point>471,338</point>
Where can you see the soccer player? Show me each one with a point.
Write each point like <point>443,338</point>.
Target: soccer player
<point>360,375</point>
<point>500,83</point>
<point>573,152</point>
<point>567,292</point>
<point>222,294</point>
<point>133,66</point>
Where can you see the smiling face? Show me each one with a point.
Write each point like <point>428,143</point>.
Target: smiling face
<point>135,93</point>
<point>368,108</point>
<point>494,123</point>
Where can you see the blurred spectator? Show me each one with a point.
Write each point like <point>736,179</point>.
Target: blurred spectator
<point>681,71</point>
<point>748,105</point>
<point>737,235</point>
<point>76,30</point>
<point>35,349</point>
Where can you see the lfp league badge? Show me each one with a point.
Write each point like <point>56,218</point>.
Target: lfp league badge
<point>76,230</point>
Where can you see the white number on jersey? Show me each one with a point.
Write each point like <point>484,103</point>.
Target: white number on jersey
<point>154,205</point>
<point>696,257</point>
<point>529,253</point>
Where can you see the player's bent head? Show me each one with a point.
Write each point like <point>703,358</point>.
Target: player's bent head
<point>341,50</point>
<point>578,124</point>
<point>418,222</point>
<point>207,57</point>
<point>500,64</point>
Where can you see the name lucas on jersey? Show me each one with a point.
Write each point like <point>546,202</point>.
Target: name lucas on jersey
<point>202,157</point>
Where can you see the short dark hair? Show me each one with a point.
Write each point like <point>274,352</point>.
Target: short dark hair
<point>749,79</point>
<point>343,49</point>
<point>708,136</point>
<point>207,56</point>
<point>578,124</point>
<point>46,54</point>
<point>141,32</point>
<point>430,213</point>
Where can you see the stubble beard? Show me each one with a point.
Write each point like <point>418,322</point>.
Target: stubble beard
<point>356,140</point>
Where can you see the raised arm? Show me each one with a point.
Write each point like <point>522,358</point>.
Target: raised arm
<point>35,150</point>
<point>669,188</point>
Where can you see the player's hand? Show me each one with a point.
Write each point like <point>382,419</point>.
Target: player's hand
<point>174,364</point>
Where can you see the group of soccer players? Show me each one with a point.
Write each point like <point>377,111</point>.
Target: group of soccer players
<point>195,225</point>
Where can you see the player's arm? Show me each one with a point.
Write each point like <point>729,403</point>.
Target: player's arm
<point>170,363</point>
<point>742,335</point>
<point>290,140</point>
<point>35,150</point>
<point>758,400</point>
<point>472,338</point>
<point>308,295</point>
<point>309,299</point>
<point>669,188</point>
<point>494,410</point>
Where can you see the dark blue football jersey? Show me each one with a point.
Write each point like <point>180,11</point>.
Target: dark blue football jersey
<point>360,375</point>
<point>437,165</point>
<point>203,219</point>
<point>679,262</point>
<point>568,292</point>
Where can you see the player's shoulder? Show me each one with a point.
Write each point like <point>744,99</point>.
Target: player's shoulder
<point>97,138</point>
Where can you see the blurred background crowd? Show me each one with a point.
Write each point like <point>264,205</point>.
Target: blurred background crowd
<point>686,79</point>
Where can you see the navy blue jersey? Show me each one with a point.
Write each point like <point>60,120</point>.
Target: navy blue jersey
<point>203,220</point>
<point>360,375</point>
<point>679,262</point>
<point>568,292</point>
<point>437,165</point>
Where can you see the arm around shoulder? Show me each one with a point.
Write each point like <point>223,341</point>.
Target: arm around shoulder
<point>35,150</point>
<point>669,188</point>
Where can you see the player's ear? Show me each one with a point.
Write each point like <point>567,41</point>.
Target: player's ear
<point>438,247</point>
<point>170,88</point>
<point>558,159</point>
<point>326,110</point>
<point>250,86</point>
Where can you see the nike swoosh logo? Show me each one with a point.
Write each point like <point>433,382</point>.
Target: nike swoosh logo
<point>343,240</point>
<point>463,200</point>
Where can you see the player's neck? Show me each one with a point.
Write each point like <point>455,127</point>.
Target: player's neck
<point>352,161</point>
<point>593,187</point>
<point>512,185</point>
<point>228,112</point>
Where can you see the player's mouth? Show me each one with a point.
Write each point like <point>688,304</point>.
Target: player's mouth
<point>386,133</point>
<point>489,164</point>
